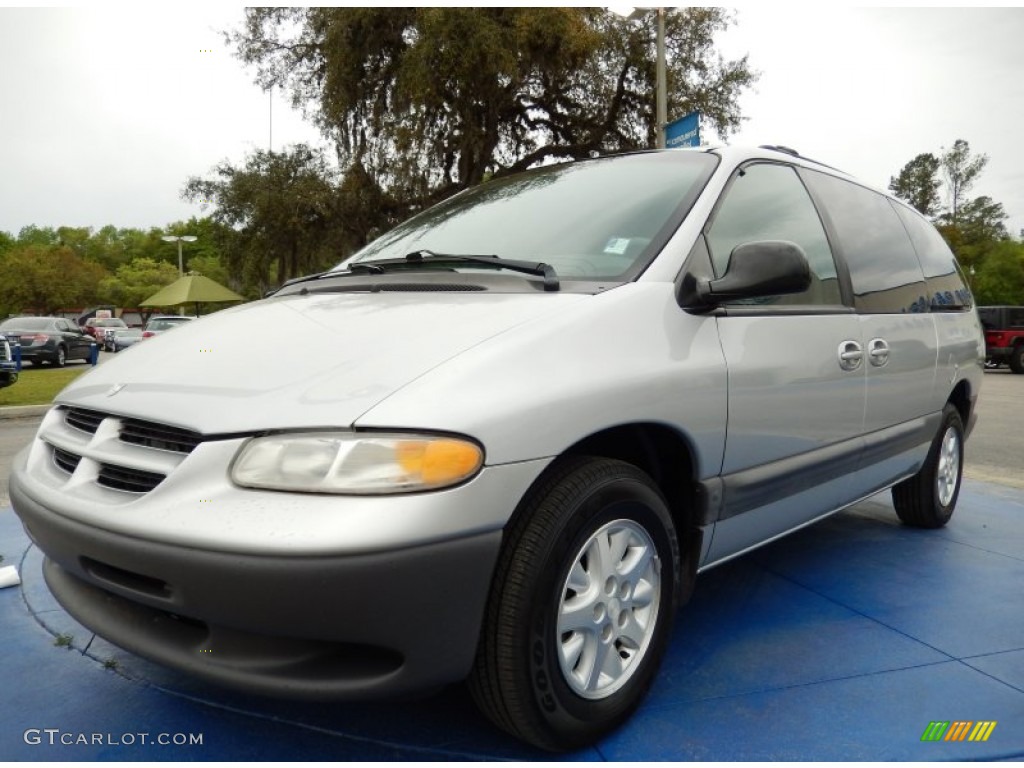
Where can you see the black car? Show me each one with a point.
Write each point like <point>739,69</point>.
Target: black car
<point>48,339</point>
<point>8,365</point>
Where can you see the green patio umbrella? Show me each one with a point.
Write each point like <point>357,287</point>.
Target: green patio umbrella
<point>192,289</point>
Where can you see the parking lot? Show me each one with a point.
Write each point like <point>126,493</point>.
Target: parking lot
<point>841,642</point>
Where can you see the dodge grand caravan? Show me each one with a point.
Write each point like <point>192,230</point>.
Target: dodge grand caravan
<point>500,442</point>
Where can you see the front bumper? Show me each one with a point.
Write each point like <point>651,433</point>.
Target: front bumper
<point>308,626</point>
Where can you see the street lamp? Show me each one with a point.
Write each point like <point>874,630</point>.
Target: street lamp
<point>179,239</point>
<point>662,106</point>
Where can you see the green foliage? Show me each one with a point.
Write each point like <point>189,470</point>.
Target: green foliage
<point>918,184</point>
<point>45,278</point>
<point>961,170</point>
<point>63,641</point>
<point>424,102</point>
<point>6,243</point>
<point>137,281</point>
<point>33,235</point>
<point>1000,279</point>
<point>211,267</point>
<point>278,214</point>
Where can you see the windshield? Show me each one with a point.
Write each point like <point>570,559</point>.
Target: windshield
<point>164,323</point>
<point>593,219</point>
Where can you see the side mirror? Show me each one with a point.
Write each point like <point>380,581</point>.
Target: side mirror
<point>762,268</point>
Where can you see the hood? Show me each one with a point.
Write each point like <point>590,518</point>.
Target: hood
<point>298,361</point>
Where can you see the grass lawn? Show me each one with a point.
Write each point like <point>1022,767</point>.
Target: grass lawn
<point>38,386</point>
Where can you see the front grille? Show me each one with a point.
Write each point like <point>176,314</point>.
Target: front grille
<point>87,421</point>
<point>129,455</point>
<point>66,461</point>
<point>128,479</point>
<point>159,436</point>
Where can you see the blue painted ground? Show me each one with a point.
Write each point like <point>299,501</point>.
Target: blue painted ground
<point>841,642</point>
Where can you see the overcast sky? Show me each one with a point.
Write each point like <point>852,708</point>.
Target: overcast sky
<point>106,111</point>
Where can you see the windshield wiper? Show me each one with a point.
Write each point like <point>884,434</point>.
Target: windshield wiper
<point>422,257</point>
<point>492,260</point>
<point>358,266</point>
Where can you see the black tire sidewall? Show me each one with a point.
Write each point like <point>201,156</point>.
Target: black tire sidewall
<point>573,720</point>
<point>1017,359</point>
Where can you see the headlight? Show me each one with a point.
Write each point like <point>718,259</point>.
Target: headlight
<point>332,462</point>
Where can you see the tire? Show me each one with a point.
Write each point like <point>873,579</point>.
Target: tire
<point>1017,359</point>
<point>927,499</point>
<point>62,357</point>
<point>537,681</point>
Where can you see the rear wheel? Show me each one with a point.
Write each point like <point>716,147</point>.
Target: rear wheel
<point>583,598</point>
<point>62,357</point>
<point>927,499</point>
<point>1017,359</point>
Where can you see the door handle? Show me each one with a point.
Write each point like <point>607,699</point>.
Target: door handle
<point>850,355</point>
<point>878,352</point>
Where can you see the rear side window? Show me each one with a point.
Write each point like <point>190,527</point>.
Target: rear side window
<point>946,287</point>
<point>769,202</point>
<point>884,269</point>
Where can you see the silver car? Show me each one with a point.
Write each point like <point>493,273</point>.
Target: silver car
<point>501,441</point>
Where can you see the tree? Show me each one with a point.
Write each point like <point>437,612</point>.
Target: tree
<point>961,170</point>
<point>423,102</point>
<point>1000,280</point>
<point>33,235</point>
<point>277,214</point>
<point>137,281</point>
<point>918,184</point>
<point>6,243</point>
<point>45,278</point>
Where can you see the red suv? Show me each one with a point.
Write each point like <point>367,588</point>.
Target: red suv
<point>95,327</point>
<point>1004,336</point>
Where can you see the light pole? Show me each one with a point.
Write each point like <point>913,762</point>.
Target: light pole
<point>179,239</point>
<point>662,104</point>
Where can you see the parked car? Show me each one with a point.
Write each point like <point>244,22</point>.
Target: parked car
<point>160,323</point>
<point>122,338</point>
<point>48,339</point>
<point>8,363</point>
<point>97,327</point>
<point>500,442</point>
<point>1004,336</point>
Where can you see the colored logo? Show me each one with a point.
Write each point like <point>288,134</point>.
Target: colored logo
<point>959,730</point>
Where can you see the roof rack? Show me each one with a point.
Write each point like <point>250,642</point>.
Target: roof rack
<point>794,153</point>
<point>780,148</point>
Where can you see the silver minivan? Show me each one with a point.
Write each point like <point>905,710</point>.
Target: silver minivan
<point>500,442</point>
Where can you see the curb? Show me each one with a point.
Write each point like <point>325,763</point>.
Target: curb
<point>23,411</point>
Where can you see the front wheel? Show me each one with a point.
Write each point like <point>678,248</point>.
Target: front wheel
<point>927,499</point>
<point>581,605</point>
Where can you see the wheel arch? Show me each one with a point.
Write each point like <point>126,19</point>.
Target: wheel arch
<point>960,397</point>
<point>669,458</point>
